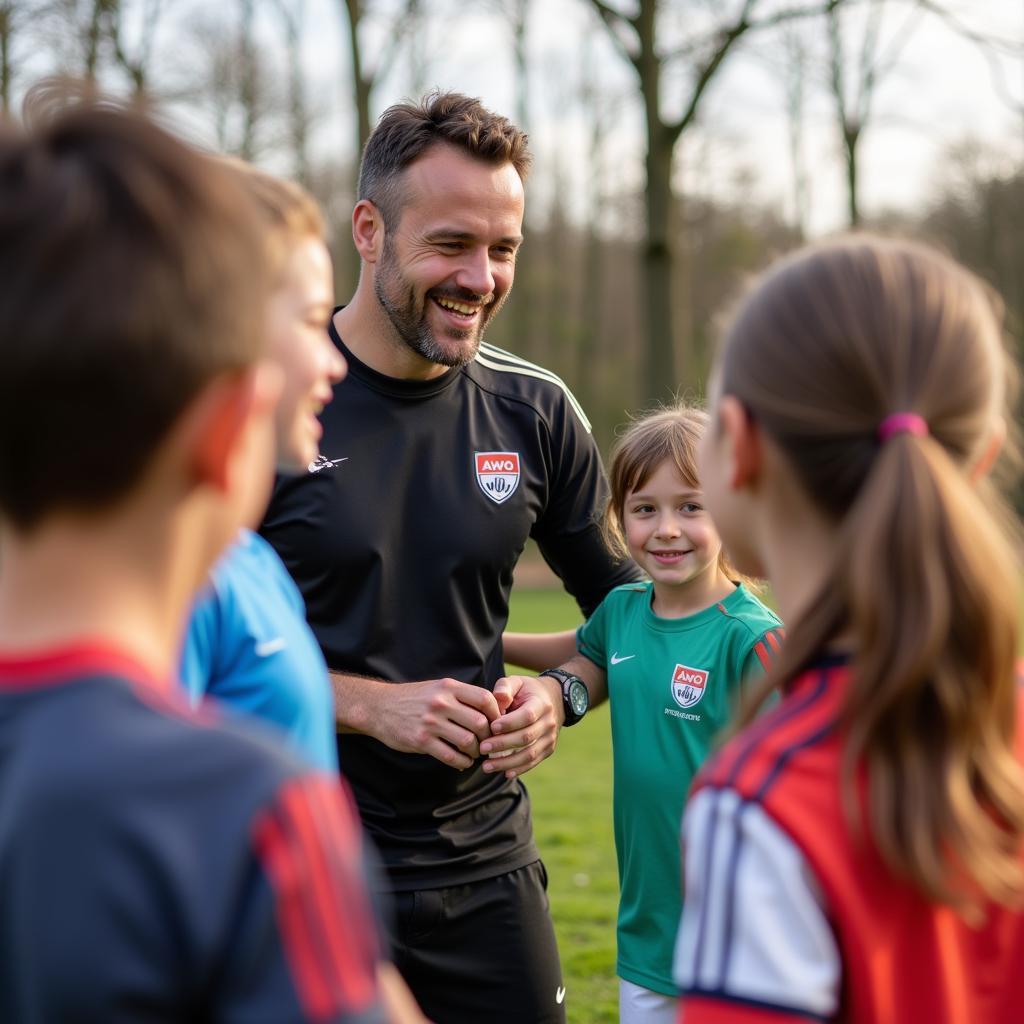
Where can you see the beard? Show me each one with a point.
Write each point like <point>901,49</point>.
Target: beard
<point>408,315</point>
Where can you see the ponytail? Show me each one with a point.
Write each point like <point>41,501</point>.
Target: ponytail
<point>923,580</point>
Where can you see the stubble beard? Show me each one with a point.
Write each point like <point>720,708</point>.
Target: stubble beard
<point>409,317</point>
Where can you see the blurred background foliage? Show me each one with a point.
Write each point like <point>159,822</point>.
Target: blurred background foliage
<point>680,144</point>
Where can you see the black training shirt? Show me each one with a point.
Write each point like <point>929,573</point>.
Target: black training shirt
<point>403,538</point>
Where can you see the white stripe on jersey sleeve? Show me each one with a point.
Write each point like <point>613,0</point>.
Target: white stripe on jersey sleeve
<point>754,925</point>
<point>498,359</point>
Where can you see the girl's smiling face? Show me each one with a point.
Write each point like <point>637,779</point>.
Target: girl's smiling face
<point>669,533</point>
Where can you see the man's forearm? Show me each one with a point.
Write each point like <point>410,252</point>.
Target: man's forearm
<point>356,701</point>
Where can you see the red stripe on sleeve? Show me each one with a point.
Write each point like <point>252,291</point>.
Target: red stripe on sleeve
<point>337,903</point>
<point>774,637</point>
<point>762,655</point>
<point>272,849</point>
<point>326,928</point>
<point>337,815</point>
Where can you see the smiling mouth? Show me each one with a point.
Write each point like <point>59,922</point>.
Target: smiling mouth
<point>668,555</point>
<point>460,310</point>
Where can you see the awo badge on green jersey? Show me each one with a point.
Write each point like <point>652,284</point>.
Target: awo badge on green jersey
<point>497,473</point>
<point>688,685</point>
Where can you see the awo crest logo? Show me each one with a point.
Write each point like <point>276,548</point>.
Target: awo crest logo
<point>497,473</point>
<point>688,685</point>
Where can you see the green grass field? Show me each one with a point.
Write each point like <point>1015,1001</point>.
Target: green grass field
<point>571,794</point>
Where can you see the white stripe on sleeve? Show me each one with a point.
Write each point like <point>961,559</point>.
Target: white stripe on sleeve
<point>754,925</point>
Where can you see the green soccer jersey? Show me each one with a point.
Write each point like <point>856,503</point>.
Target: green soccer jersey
<point>672,685</point>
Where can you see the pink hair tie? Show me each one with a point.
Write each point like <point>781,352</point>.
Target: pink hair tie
<point>902,423</point>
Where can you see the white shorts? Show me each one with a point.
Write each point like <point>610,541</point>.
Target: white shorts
<point>642,1006</point>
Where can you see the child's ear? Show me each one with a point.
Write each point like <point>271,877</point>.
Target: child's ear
<point>223,418</point>
<point>368,231</point>
<point>983,464</point>
<point>743,442</point>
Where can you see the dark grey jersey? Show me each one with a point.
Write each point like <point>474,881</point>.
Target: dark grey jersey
<point>158,866</point>
<point>403,538</point>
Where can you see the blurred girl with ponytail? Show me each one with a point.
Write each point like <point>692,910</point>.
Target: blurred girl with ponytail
<point>854,853</point>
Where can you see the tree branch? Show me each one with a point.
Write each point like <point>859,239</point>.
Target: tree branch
<point>615,21</point>
<point>397,35</point>
<point>991,48</point>
<point>692,46</point>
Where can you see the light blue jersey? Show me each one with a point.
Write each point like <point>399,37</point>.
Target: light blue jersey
<point>249,647</point>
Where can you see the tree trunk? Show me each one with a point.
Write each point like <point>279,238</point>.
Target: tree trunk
<point>851,139</point>
<point>659,372</point>
<point>298,110</point>
<point>247,83</point>
<point>92,39</point>
<point>519,14</point>
<point>361,85</point>
<point>6,30</point>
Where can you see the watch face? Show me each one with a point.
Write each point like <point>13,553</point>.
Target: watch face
<point>579,698</point>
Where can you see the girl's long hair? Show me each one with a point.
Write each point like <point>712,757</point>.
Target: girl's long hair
<point>923,578</point>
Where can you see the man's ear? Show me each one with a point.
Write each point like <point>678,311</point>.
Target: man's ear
<point>983,464</point>
<point>218,424</point>
<point>742,441</point>
<point>368,231</point>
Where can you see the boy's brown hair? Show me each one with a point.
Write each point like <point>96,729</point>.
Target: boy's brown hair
<point>289,212</point>
<point>133,275</point>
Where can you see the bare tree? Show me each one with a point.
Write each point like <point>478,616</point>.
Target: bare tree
<point>854,80</point>
<point>365,76</point>
<point>702,52</point>
<point>248,78</point>
<point>518,12</point>
<point>862,55</point>
<point>231,81</point>
<point>135,60</point>
<point>94,36</point>
<point>292,14</point>
<point>797,59</point>
<point>7,30</point>
<point>601,111</point>
<point>15,15</point>
<point>89,38</point>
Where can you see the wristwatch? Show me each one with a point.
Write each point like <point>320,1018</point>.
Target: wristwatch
<point>575,695</point>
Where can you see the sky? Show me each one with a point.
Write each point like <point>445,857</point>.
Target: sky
<point>940,92</point>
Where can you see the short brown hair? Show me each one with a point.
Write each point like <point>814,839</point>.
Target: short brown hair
<point>406,131</point>
<point>669,434</point>
<point>133,275</point>
<point>289,212</point>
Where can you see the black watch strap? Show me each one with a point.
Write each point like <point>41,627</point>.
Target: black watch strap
<point>575,696</point>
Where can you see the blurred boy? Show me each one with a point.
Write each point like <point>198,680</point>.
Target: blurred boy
<point>152,865</point>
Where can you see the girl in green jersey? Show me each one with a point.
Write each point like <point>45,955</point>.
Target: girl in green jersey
<point>671,655</point>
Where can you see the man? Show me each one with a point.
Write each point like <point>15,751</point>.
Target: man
<point>440,457</point>
<point>153,865</point>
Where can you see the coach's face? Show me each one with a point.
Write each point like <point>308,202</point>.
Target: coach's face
<point>448,264</point>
